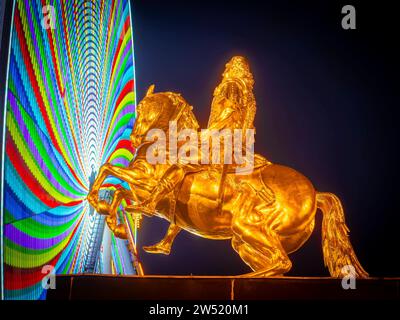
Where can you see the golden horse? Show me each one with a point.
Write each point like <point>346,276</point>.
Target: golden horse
<point>267,214</point>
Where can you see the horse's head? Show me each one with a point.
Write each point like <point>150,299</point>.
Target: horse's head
<point>156,110</point>
<point>153,112</point>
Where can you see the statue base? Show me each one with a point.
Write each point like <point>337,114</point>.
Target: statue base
<point>98,287</point>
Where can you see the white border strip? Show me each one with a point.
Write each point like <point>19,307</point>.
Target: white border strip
<point>3,155</point>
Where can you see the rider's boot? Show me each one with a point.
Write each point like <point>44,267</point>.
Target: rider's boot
<point>172,177</point>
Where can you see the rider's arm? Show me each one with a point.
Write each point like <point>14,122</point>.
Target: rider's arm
<point>225,118</point>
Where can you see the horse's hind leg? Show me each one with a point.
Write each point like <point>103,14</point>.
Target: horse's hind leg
<point>257,245</point>
<point>251,257</point>
<point>267,262</point>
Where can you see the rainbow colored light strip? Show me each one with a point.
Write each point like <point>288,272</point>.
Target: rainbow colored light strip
<point>70,108</point>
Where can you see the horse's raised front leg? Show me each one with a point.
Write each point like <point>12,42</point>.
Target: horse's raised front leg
<point>124,174</point>
<point>258,245</point>
<point>118,229</point>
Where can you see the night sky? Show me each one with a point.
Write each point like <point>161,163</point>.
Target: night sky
<point>327,103</point>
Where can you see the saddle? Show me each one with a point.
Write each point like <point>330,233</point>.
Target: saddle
<point>219,173</point>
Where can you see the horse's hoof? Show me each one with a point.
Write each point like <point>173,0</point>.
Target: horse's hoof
<point>246,275</point>
<point>120,232</point>
<point>157,249</point>
<point>92,197</point>
<point>256,274</point>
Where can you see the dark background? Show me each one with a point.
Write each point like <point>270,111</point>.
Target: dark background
<point>327,103</point>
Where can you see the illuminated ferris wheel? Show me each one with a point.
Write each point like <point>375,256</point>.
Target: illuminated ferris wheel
<point>70,106</point>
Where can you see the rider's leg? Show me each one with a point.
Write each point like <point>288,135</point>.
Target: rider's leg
<point>171,178</point>
<point>164,246</point>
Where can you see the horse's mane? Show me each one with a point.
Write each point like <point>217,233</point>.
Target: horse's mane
<point>187,119</point>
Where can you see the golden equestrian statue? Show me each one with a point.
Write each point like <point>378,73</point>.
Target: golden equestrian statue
<point>266,210</point>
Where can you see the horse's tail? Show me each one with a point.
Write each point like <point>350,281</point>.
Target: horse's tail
<point>336,246</point>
